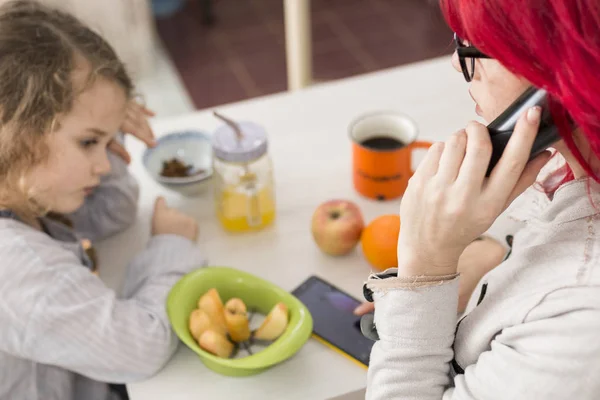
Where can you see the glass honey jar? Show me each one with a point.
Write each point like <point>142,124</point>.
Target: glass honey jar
<point>243,178</point>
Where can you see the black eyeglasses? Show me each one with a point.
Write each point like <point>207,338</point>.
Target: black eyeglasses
<point>467,56</point>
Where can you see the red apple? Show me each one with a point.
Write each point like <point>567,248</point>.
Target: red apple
<point>337,226</point>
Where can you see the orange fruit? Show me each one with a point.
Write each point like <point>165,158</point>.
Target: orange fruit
<point>379,241</point>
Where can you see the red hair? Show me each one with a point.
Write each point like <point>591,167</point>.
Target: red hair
<point>554,44</point>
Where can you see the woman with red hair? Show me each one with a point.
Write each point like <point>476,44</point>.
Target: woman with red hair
<point>531,329</point>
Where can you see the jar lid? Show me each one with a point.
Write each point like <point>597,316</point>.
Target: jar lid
<point>228,147</point>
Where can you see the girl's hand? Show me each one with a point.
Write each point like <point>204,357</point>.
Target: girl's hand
<point>136,124</point>
<point>449,202</point>
<point>167,220</point>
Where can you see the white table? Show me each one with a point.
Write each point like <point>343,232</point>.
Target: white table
<point>311,154</point>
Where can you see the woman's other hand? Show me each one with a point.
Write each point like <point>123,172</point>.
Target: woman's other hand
<point>479,258</point>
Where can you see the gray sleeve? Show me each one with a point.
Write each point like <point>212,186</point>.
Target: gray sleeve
<point>416,329</point>
<point>551,355</point>
<point>112,207</point>
<point>68,318</point>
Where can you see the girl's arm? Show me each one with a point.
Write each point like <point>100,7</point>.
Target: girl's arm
<point>54,311</point>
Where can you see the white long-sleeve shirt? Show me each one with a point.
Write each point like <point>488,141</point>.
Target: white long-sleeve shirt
<point>531,329</point>
<point>63,333</point>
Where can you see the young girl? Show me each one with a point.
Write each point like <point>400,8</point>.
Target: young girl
<point>64,96</point>
<point>532,327</point>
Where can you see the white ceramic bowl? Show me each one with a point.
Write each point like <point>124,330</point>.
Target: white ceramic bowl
<point>191,147</point>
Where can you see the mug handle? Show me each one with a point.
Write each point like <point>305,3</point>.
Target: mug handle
<point>418,145</point>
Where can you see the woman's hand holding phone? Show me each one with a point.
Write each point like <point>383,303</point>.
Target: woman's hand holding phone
<point>449,201</point>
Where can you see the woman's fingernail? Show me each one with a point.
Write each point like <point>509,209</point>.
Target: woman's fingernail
<point>534,115</point>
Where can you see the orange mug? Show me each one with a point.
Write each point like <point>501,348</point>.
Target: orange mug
<point>382,149</point>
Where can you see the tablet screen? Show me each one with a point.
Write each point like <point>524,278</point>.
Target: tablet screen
<point>333,318</point>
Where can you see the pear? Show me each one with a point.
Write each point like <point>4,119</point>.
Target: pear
<point>275,323</point>
<point>211,303</point>
<point>236,319</point>
<point>216,343</point>
<point>199,322</point>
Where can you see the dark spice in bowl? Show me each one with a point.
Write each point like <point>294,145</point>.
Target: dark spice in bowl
<point>176,168</point>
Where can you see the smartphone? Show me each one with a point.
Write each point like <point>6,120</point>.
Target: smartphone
<point>503,127</point>
<point>334,323</point>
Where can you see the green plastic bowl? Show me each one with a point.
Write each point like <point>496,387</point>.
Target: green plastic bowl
<point>258,294</point>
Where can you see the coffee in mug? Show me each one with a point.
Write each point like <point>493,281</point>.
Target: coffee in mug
<point>382,142</point>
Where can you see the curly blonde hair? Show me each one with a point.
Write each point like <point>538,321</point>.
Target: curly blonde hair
<point>39,49</point>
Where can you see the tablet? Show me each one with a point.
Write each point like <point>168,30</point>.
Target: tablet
<point>334,323</point>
